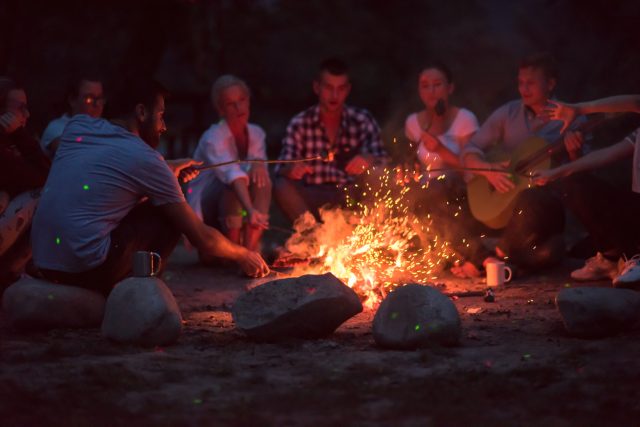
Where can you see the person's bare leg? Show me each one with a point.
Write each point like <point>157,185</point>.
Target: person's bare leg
<point>252,237</point>
<point>234,234</point>
<point>465,270</point>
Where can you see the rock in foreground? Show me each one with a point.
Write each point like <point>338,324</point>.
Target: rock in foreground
<point>37,304</point>
<point>142,311</point>
<point>598,312</point>
<point>415,316</point>
<point>309,306</point>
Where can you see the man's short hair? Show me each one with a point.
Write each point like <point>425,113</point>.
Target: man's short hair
<point>543,61</point>
<point>224,82</point>
<point>136,91</point>
<point>74,83</point>
<point>6,85</point>
<point>334,66</point>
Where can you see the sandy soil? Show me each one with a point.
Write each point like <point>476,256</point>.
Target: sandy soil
<point>515,367</point>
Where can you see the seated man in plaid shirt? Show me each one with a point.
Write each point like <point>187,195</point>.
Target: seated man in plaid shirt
<point>347,139</point>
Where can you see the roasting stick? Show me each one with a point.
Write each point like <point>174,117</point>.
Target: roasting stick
<point>233,162</point>
<point>463,169</point>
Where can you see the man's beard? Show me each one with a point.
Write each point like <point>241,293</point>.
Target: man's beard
<point>149,135</point>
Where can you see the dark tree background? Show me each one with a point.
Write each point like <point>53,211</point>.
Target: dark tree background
<point>276,45</point>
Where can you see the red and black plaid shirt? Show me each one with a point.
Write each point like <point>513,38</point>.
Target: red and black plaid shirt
<point>306,137</point>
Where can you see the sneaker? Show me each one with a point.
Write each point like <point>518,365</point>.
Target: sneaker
<point>596,268</point>
<point>629,276</point>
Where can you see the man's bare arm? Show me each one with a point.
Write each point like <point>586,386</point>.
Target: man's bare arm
<point>210,242</point>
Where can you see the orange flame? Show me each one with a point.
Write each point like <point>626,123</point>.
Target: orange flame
<point>374,246</point>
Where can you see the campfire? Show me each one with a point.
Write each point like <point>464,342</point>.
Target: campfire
<point>374,245</point>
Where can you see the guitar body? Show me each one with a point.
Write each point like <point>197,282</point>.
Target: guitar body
<point>492,208</point>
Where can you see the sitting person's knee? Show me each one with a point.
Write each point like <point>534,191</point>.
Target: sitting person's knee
<point>231,222</point>
<point>282,184</point>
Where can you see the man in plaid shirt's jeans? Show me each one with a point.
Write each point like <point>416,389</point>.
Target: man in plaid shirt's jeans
<point>347,139</point>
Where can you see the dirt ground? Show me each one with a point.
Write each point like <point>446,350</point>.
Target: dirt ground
<point>515,366</point>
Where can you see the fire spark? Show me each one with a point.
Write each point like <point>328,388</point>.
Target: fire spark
<point>374,245</point>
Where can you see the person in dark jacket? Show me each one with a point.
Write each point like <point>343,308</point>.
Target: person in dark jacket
<point>24,169</point>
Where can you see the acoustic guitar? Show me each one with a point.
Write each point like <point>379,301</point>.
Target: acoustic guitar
<point>493,208</point>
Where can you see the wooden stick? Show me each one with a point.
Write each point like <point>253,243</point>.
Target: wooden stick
<point>232,162</point>
<point>464,169</point>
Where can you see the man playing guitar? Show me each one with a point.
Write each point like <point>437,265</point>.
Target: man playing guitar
<point>533,226</point>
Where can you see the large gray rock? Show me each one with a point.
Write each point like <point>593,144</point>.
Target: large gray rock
<point>415,316</point>
<point>36,304</point>
<point>142,310</point>
<point>598,312</point>
<point>309,306</point>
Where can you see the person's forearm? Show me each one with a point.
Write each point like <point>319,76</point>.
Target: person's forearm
<point>447,156</point>
<point>214,243</point>
<point>207,239</point>
<point>597,159</point>
<point>612,104</point>
<point>474,160</point>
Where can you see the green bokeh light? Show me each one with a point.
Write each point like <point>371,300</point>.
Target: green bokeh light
<point>85,187</point>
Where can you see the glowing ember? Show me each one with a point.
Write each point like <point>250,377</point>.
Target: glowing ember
<point>374,246</point>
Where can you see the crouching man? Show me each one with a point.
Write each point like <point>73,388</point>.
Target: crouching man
<point>110,194</point>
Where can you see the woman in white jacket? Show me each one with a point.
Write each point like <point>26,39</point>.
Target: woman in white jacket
<point>235,197</point>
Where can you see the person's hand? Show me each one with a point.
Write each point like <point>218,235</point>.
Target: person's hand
<point>357,165</point>
<point>253,265</point>
<point>259,175</point>
<point>183,169</point>
<point>430,142</point>
<point>9,122</point>
<point>502,182</point>
<point>258,219</point>
<point>298,171</point>
<point>560,111</point>
<point>573,143</point>
<point>544,177</point>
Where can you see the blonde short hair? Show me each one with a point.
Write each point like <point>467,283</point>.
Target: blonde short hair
<point>224,82</point>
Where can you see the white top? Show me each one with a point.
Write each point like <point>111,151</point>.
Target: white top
<point>52,131</point>
<point>101,172</point>
<point>464,124</point>
<point>217,145</point>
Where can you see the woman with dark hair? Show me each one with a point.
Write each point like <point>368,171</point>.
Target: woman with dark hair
<point>440,131</point>
<point>24,171</point>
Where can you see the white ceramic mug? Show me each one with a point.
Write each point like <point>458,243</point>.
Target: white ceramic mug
<point>146,264</point>
<point>497,273</point>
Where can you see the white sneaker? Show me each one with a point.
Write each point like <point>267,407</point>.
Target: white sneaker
<point>629,276</point>
<point>596,268</point>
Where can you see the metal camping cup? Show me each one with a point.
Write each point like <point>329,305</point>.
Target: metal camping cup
<point>497,273</point>
<point>146,264</point>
